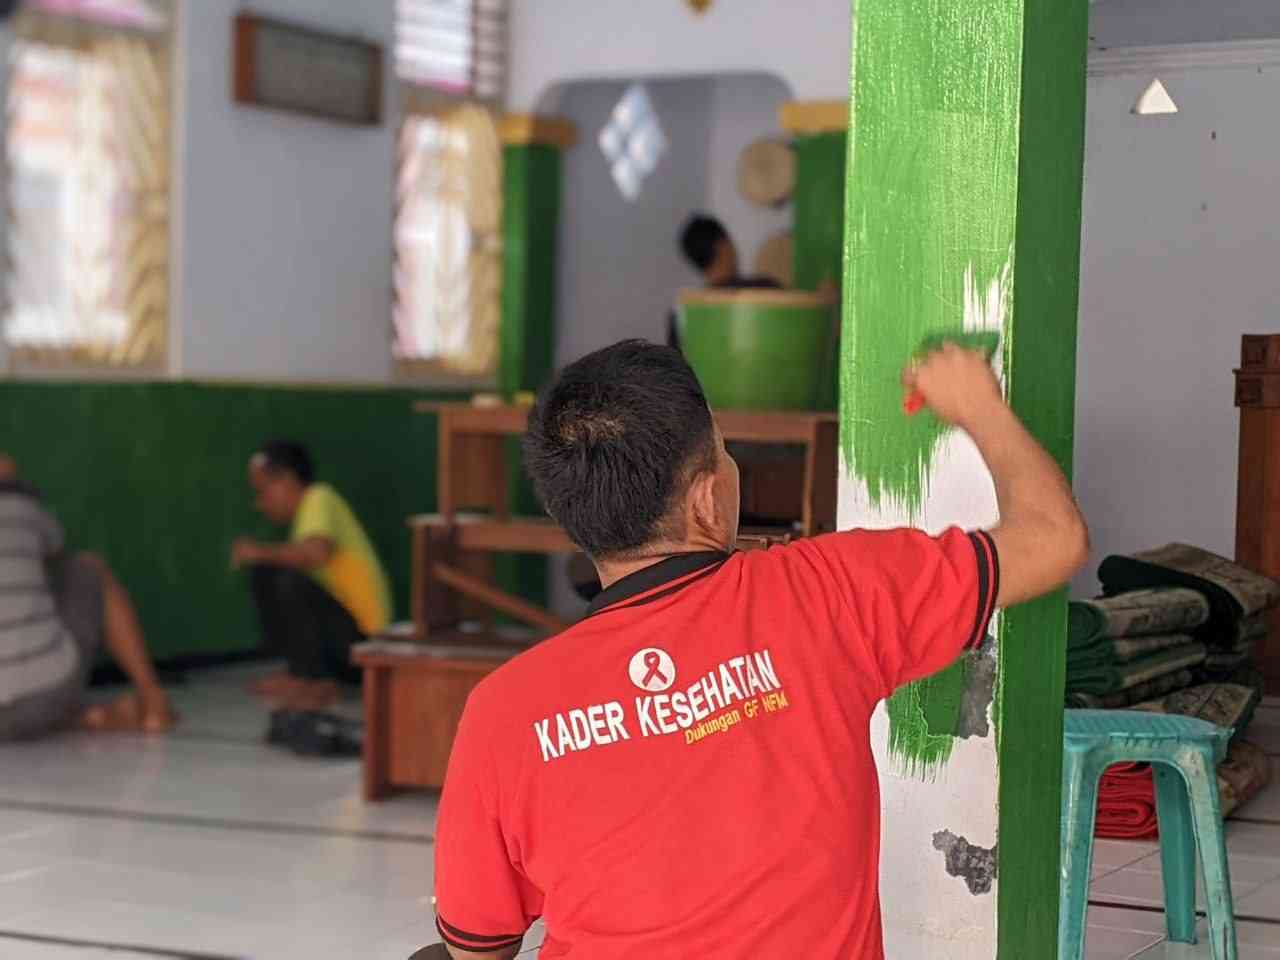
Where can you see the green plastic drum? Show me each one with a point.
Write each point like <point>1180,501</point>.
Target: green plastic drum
<point>761,349</point>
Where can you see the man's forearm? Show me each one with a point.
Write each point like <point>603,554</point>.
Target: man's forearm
<point>306,555</point>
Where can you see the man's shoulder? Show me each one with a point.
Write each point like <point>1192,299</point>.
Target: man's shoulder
<point>322,491</point>
<point>322,496</point>
<point>539,679</point>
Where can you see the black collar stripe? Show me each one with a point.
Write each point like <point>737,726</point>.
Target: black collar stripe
<point>647,585</point>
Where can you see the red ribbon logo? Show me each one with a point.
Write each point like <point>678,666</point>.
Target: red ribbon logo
<point>652,669</point>
<point>654,662</point>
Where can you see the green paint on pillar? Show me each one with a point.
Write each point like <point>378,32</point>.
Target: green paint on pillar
<point>965,160</point>
<point>531,217</point>
<point>818,235</point>
<point>923,719</point>
<point>933,157</point>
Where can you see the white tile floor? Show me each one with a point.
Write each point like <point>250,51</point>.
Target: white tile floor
<point>210,846</point>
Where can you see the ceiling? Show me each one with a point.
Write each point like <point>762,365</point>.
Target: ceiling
<point>1130,23</point>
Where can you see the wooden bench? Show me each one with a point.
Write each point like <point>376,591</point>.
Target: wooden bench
<point>413,700</point>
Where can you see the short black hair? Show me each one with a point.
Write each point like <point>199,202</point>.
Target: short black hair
<point>613,443</point>
<point>699,238</point>
<point>278,456</point>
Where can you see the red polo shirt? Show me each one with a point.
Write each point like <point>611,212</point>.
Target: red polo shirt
<point>687,772</point>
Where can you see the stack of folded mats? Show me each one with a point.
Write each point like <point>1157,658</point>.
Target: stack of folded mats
<point>1238,599</point>
<point>1125,649</point>
<point>1183,591</point>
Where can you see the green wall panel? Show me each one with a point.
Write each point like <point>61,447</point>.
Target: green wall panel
<point>153,476</point>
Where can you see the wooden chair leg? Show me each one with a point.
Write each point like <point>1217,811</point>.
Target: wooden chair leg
<point>377,733</point>
<point>419,586</point>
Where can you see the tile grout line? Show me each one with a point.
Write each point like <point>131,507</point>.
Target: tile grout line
<point>246,826</point>
<point>113,947</point>
<point>1255,821</point>
<point>1144,908</point>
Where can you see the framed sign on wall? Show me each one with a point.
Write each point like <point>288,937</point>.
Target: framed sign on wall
<point>283,66</point>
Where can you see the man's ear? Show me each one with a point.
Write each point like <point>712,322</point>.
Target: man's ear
<point>701,504</point>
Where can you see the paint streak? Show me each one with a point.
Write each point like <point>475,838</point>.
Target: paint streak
<point>933,157</point>
<point>933,163</point>
<point>922,722</point>
<point>976,866</point>
<point>926,718</point>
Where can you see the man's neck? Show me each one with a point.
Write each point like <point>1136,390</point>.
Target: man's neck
<point>611,571</point>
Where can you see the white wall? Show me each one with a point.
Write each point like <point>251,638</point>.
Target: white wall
<point>1180,255</point>
<point>805,42</point>
<point>743,108</point>
<point>284,229</point>
<point>618,261</point>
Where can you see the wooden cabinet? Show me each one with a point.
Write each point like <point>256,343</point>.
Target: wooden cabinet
<point>1258,491</point>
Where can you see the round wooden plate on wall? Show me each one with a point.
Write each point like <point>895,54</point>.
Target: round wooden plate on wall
<point>767,172</point>
<point>774,259</point>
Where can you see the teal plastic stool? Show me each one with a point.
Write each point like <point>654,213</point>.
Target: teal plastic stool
<point>1184,754</point>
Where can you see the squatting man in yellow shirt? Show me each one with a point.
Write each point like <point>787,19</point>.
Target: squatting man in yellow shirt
<point>320,591</point>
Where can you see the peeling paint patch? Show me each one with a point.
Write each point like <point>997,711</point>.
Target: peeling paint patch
<point>979,692</point>
<point>976,866</point>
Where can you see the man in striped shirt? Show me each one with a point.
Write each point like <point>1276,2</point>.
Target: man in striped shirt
<point>56,609</point>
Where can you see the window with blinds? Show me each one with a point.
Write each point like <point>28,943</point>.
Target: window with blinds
<point>448,243</point>
<point>451,58</point>
<point>87,155</point>
<point>458,46</point>
<point>120,13</point>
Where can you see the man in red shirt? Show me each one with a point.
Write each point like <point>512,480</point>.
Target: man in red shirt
<point>687,772</point>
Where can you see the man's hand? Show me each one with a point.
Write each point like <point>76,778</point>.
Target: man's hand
<point>309,554</point>
<point>245,552</point>
<point>958,385</point>
<point>1041,539</point>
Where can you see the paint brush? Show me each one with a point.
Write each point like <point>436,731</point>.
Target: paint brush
<point>985,342</point>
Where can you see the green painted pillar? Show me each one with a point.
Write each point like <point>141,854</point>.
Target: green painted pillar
<point>532,148</point>
<point>820,139</point>
<point>963,212</point>
<point>531,176</point>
